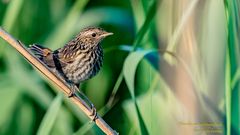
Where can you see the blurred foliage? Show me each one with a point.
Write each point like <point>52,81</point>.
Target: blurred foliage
<point>141,88</point>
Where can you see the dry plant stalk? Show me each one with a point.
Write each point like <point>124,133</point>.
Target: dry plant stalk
<point>64,87</point>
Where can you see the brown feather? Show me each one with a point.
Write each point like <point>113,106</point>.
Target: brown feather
<point>80,59</point>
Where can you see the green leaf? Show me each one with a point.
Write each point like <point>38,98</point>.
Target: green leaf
<point>130,66</point>
<point>150,15</point>
<point>108,16</point>
<point>232,8</point>
<point>8,101</point>
<point>67,26</point>
<point>26,118</point>
<point>129,70</point>
<point>235,79</point>
<point>126,48</point>
<point>142,32</point>
<point>10,18</point>
<point>151,107</point>
<point>228,91</point>
<point>88,18</point>
<point>11,14</point>
<point>21,77</point>
<point>50,117</point>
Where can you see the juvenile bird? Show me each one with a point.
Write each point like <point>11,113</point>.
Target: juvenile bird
<point>80,59</point>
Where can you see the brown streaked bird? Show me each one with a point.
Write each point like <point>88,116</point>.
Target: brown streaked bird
<point>79,60</point>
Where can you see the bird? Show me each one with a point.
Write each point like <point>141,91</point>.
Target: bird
<point>78,60</point>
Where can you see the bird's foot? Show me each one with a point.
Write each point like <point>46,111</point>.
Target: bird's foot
<point>93,113</point>
<point>73,90</point>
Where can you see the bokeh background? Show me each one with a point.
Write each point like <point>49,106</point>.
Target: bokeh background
<point>192,88</point>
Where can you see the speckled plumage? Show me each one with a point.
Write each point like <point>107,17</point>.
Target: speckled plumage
<point>87,65</point>
<point>80,59</point>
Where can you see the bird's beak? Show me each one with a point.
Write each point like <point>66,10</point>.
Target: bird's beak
<point>105,34</point>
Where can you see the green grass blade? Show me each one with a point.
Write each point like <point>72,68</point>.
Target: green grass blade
<point>10,95</point>
<point>232,65</point>
<point>228,92</point>
<point>129,70</point>
<point>138,12</point>
<point>143,128</point>
<point>130,67</point>
<point>62,32</point>
<point>21,77</point>
<point>140,35</point>
<point>236,79</point>
<point>150,16</point>
<point>10,17</point>
<point>108,16</point>
<point>50,117</point>
<point>11,14</point>
<point>126,48</point>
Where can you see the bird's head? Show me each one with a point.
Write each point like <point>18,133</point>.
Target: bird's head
<point>92,36</point>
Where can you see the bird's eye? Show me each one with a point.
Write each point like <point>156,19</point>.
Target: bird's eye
<point>94,35</point>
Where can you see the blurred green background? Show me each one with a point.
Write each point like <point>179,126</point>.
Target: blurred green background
<point>141,88</point>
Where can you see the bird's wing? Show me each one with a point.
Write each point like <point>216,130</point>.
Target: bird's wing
<point>43,53</point>
<point>70,52</point>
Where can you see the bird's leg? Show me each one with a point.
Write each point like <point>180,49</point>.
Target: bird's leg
<point>92,107</point>
<point>89,103</point>
<point>94,113</point>
<point>70,84</point>
<point>82,95</point>
<point>72,88</point>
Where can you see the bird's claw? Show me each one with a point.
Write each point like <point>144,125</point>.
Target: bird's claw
<point>72,92</point>
<point>93,113</point>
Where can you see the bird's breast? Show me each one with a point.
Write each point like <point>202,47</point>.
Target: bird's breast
<point>85,66</point>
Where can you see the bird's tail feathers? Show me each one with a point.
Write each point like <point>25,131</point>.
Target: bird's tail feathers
<point>40,51</point>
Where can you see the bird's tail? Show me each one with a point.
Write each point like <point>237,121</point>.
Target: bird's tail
<point>40,51</point>
<point>43,53</point>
